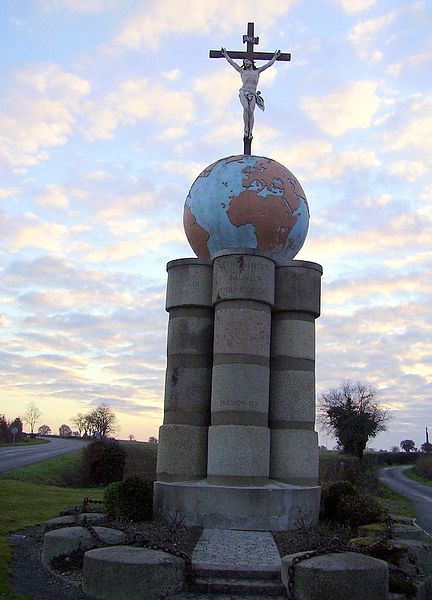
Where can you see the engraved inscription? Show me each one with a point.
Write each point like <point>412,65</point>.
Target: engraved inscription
<point>192,283</point>
<point>238,404</point>
<point>245,277</point>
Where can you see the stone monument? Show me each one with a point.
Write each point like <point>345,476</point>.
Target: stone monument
<point>237,447</point>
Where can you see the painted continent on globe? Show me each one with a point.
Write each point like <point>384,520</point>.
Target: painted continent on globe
<point>243,202</point>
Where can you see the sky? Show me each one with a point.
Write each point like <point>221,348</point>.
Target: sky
<point>109,110</point>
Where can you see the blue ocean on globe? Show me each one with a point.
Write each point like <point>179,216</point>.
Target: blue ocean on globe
<point>246,202</point>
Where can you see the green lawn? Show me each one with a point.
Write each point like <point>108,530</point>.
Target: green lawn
<point>56,471</point>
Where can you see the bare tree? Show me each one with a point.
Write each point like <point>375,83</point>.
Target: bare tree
<point>32,415</point>
<point>103,421</point>
<point>80,422</point>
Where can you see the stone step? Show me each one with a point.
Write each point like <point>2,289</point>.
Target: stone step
<point>230,596</point>
<point>239,587</point>
<point>239,573</point>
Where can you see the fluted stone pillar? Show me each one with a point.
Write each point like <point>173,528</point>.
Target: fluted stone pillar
<point>294,443</point>
<point>239,438</point>
<point>182,452</point>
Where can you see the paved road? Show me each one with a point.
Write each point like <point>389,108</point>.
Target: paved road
<point>419,494</point>
<point>13,457</point>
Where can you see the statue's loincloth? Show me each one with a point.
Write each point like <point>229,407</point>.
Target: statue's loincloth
<point>249,96</point>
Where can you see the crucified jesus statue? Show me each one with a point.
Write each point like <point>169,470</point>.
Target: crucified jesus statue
<point>248,94</point>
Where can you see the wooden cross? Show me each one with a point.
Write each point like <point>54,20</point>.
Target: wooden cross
<point>250,40</point>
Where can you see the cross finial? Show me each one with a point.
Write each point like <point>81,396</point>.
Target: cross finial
<point>249,95</point>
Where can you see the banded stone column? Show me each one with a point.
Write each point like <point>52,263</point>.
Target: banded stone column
<point>239,438</point>
<point>182,452</point>
<point>294,443</point>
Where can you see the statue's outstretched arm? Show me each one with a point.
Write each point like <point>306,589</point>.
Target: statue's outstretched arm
<point>270,62</point>
<point>230,60</point>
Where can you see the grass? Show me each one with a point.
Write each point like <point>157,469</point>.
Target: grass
<point>394,503</point>
<point>27,442</point>
<point>31,495</point>
<point>53,471</point>
<point>416,477</point>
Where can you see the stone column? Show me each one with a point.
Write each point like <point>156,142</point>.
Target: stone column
<point>182,452</point>
<point>294,443</point>
<point>239,438</point>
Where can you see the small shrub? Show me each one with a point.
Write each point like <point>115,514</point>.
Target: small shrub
<point>103,462</point>
<point>424,466</point>
<point>130,499</point>
<point>359,510</point>
<point>333,495</point>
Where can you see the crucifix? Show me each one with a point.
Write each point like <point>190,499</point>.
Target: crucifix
<point>248,93</point>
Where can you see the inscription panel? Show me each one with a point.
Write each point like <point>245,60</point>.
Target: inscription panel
<point>243,277</point>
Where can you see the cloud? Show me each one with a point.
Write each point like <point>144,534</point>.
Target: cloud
<point>350,107</point>
<point>8,192</point>
<point>318,159</point>
<point>410,170</point>
<point>38,113</point>
<point>76,6</point>
<point>130,248</point>
<point>153,22</point>
<point>365,34</point>
<point>53,197</point>
<point>172,75</point>
<point>136,100</point>
<point>411,62</point>
<point>354,6</point>
<point>26,231</point>
<point>411,127</point>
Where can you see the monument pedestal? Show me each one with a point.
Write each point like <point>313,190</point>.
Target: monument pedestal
<point>273,506</point>
<point>238,448</point>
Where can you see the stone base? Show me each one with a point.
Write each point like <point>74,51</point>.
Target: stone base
<point>274,506</point>
<point>341,576</point>
<point>124,572</point>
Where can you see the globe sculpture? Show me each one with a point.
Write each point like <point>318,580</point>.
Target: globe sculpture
<point>246,202</point>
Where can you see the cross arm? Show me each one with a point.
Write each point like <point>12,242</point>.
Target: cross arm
<point>255,56</point>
